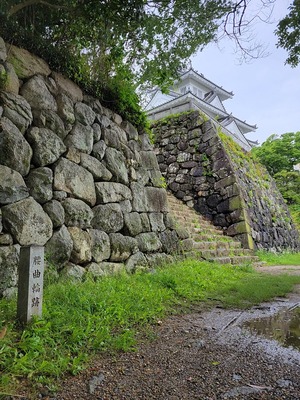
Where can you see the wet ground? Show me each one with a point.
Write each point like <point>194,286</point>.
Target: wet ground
<point>207,355</point>
<point>283,326</point>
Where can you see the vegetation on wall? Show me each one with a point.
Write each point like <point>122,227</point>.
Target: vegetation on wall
<point>253,169</point>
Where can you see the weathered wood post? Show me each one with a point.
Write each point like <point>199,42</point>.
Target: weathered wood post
<point>30,286</point>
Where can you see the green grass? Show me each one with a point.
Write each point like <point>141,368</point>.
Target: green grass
<point>80,319</point>
<point>285,258</point>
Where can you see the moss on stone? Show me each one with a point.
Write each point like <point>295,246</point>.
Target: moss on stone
<point>235,203</point>
<point>3,77</point>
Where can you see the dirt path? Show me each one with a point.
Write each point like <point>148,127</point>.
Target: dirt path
<point>204,355</point>
<point>280,269</point>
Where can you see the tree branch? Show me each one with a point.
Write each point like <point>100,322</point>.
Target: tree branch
<point>18,7</point>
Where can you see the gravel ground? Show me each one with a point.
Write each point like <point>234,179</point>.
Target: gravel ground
<point>204,355</point>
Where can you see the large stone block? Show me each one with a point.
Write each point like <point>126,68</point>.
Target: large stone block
<point>131,131</point>
<point>135,262</point>
<point>59,247</point>
<point>235,203</point>
<point>93,103</point>
<point>9,263</point>
<point>95,270</point>
<point>84,114</point>
<point>227,181</point>
<point>116,163</point>
<point>82,246</point>
<point>75,180</point>
<point>148,242</point>
<point>73,272</point>
<point>12,186</point>
<point>26,64</point>
<point>27,222</point>
<point>15,151</point>
<point>95,167</point>
<point>11,84</point>
<point>39,182</point>
<point>169,241</point>
<point>157,221</point>
<point>17,110</point>
<point>108,217</point>
<point>156,199</point>
<point>3,53</point>
<point>65,109</point>
<point>6,239</point>
<point>99,149</point>
<point>122,247</point>
<point>114,136</point>
<point>77,213</point>
<point>47,146</point>
<point>50,120</point>
<point>112,192</point>
<point>81,137</point>
<point>100,245</point>
<point>238,228</point>
<point>133,223</point>
<point>67,87</point>
<point>111,268</point>
<point>96,132</point>
<point>56,212</point>
<point>139,197</point>
<point>35,91</point>
<point>145,142</point>
<point>159,259</point>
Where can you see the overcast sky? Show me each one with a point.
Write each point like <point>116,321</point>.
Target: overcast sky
<point>266,92</point>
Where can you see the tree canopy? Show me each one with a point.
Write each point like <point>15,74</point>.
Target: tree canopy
<point>123,42</point>
<point>156,37</point>
<point>288,32</point>
<point>279,153</point>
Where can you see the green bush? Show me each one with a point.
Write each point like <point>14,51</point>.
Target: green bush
<point>114,89</point>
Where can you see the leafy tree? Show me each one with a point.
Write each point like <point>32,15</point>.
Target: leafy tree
<point>279,153</point>
<point>288,183</point>
<point>155,37</point>
<point>288,32</point>
<point>111,46</point>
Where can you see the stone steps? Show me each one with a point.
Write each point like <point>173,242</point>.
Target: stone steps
<point>216,245</point>
<point>205,240</point>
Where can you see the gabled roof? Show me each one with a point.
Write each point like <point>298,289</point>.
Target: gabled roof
<point>182,97</point>
<point>191,73</point>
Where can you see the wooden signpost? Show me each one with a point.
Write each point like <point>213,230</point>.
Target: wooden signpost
<point>30,286</point>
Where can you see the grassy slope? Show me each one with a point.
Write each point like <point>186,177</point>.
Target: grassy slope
<point>80,319</point>
<point>279,258</point>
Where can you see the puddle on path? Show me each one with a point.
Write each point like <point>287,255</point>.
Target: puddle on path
<point>283,327</point>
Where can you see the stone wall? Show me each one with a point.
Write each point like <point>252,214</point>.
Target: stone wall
<point>74,177</point>
<point>211,173</point>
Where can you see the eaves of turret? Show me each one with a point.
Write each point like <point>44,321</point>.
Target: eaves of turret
<point>213,109</point>
<point>224,94</point>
